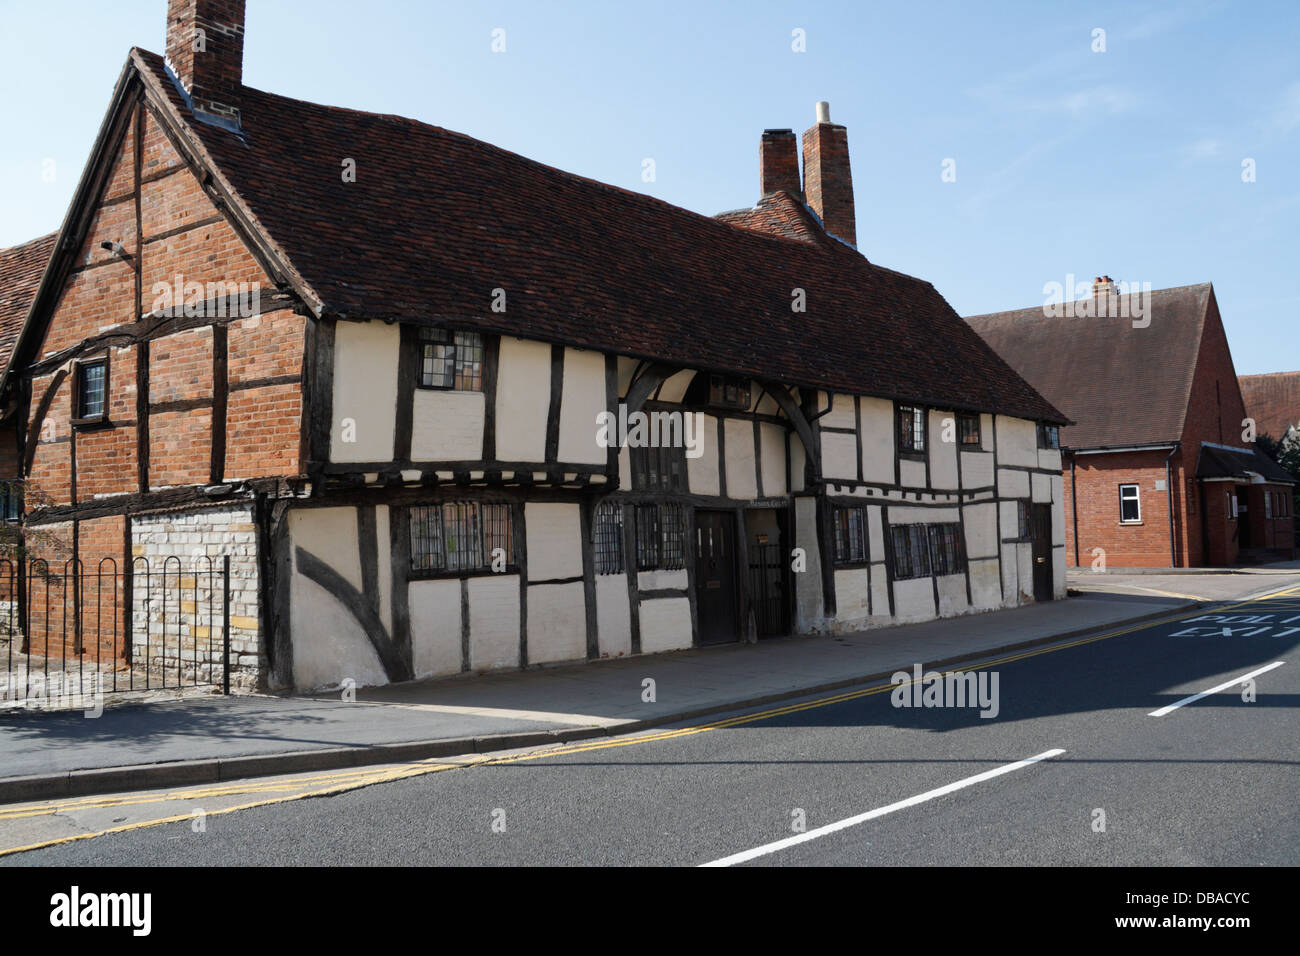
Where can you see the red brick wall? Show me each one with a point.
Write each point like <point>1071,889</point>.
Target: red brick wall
<point>1098,478</point>
<point>262,435</point>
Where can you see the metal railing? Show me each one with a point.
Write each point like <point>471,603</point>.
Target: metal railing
<point>156,625</point>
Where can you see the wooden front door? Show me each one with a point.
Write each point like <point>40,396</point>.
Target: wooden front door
<point>715,576</point>
<point>1041,520</point>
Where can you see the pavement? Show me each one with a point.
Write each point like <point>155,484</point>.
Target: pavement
<point>1170,742</point>
<point>197,741</point>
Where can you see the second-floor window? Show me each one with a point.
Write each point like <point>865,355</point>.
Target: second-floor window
<point>450,360</point>
<point>911,430</point>
<point>660,468</point>
<point>1049,436</point>
<point>91,396</point>
<point>968,427</point>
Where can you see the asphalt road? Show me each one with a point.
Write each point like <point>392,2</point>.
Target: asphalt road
<point>1212,782</point>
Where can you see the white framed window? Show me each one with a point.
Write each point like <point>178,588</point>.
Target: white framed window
<point>1130,505</point>
<point>1268,504</point>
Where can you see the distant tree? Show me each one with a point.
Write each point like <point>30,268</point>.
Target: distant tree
<point>1286,452</point>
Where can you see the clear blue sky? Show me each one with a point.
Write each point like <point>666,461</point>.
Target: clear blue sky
<point>1126,162</point>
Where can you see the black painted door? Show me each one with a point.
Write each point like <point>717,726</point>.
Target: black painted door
<point>1041,519</point>
<point>715,576</point>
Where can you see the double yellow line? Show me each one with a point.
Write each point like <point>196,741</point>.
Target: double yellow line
<point>355,779</point>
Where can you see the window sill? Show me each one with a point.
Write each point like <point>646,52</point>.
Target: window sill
<point>89,423</point>
<point>1131,524</point>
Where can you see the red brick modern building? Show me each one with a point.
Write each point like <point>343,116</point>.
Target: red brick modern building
<point>1273,400</point>
<point>1157,471</point>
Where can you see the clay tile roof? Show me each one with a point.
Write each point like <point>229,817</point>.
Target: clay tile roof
<point>1122,385</point>
<point>1273,400</point>
<point>1218,462</point>
<point>21,268</point>
<point>436,220</point>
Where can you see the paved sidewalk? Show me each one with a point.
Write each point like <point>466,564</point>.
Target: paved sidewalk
<point>204,740</point>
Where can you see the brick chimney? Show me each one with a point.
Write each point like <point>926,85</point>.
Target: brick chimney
<point>1103,287</point>
<point>827,181</point>
<point>205,50</point>
<point>778,159</point>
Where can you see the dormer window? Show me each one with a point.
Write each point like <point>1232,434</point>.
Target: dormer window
<point>729,391</point>
<point>450,360</point>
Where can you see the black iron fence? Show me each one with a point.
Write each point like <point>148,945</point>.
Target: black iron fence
<point>72,629</point>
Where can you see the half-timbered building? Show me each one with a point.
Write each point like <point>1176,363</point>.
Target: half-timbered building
<point>390,369</point>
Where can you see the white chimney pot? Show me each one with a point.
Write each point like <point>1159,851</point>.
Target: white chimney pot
<point>823,112</point>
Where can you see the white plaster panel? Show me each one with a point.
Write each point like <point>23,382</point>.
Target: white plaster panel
<point>1058,510</point>
<point>447,426</point>
<point>384,565</point>
<point>742,478</point>
<point>613,615</point>
<point>626,368</point>
<point>523,399</point>
<point>661,579</point>
<point>807,586</point>
<point>875,533</point>
<point>1025,565</point>
<point>912,473</point>
<point>494,621</point>
<point>331,535</point>
<point>976,469</point>
<point>900,515</point>
<point>767,405</point>
<point>878,440</point>
<point>772,440</point>
<point>554,540</point>
<point>665,625</point>
<point>1058,573</point>
<point>435,627</point>
<point>879,592</point>
<point>674,387</point>
<point>625,467</point>
<point>1017,441</point>
<point>843,413</point>
<point>852,594</point>
<point>1010,576</point>
<point>1041,486</point>
<point>365,390</point>
<point>557,623</point>
<point>329,644</point>
<point>798,461</point>
<point>982,530</point>
<point>952,594</point>
<point>1009,523</point>
<point>702,473</point>
<point>914,599</point>
<point>1012,483</point>
<point>1049,458</point>
<point>839,455</point>
<point>985,584</point>
<point>943,454</point>
<point>582,400</point>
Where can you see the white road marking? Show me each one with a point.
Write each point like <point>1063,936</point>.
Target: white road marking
<point>880,812</point>
<point>1214,690</point>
